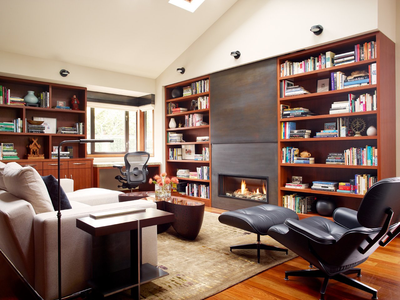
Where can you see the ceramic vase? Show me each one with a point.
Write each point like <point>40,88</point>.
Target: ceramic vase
<point>31,98</point>
<point>172,123</point>
<point>162,192</point>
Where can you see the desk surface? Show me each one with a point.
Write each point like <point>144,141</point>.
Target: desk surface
<point>113,224</point>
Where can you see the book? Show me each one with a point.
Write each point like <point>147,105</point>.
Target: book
<point>329,59</point>
<point>296,185</point>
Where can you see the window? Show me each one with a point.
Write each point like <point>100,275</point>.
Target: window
<point>130,128</point>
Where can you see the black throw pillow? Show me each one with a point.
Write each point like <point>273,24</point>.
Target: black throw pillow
<point>52,187</point>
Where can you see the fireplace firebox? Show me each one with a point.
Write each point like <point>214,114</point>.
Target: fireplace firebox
<point>243,187</point>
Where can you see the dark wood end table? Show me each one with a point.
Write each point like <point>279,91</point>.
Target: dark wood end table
<point>133,222</point>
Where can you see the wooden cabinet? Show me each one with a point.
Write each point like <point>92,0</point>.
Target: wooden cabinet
<point>81,172</point>
<point>320,103</point>
<point>188,147</point>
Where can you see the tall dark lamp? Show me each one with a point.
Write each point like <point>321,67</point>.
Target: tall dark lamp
<point>81,141</point>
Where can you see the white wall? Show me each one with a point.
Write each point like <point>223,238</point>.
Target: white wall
<point>262,29</point>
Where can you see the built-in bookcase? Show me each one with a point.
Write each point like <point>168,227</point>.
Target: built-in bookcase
<point>309,72</point>
<point>188,148</point>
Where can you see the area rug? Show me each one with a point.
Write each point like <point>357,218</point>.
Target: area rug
<point>203,267</point>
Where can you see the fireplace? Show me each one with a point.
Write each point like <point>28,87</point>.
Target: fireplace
<point>243,187</point>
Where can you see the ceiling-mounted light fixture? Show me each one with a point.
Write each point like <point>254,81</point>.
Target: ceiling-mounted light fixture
<point>317,29</point>
<point>64,73</point>
<point>181,70</point>
<point>235,54</point>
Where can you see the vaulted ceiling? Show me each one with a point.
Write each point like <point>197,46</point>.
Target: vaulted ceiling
<point>137,37</point>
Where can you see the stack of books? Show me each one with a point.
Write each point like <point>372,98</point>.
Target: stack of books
<point>335,159</point>
<point>330,186</point>
<point>178,110</point>
<point>344,187</point>
<point>295,185</point>
<point>303,160</point>
<point>34,128</point>
<point>295,90</point>
<point>7,126</point>
<point>67,130</point>
<point>174,137</point>
<point>343,58</point>
<point>296,112</point>
<point>358,79</point>
<point>17,101</point>
<point>339,107</point>
<point>63,154</point>
<point>300,133</point>
<point>327,133</point>
<point>7,151</point>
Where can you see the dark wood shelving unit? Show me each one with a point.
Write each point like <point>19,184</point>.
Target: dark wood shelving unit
<point>189,134</point>
<point>79,167</point>
<point>383,118</point>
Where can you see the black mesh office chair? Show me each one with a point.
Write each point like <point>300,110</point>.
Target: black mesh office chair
<point>135,169</point>
<point>335,248</point>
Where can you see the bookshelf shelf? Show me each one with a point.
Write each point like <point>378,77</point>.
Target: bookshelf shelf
<point>383,118</point>
<point>195,106</point>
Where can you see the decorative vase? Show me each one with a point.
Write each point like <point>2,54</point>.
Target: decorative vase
<point>31,98</point>
<point>371,131</point>
<point>172,123</point>
<point>162,192</point>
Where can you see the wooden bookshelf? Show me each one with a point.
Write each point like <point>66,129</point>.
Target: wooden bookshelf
<point>190,131</point>
<point>79,167</point>
<point>383,118</point>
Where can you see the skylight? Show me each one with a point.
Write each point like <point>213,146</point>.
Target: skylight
<point>189,5</point>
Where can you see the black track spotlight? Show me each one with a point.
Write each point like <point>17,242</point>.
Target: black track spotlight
<point>317,29</point>
<point>64,73</point>
<point>235,54</point>
<point>181,70</point>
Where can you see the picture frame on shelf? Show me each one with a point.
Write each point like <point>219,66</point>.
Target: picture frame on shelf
<point>323,85</point>
<point>188,152</point>
<point>49,123</point>
<point>61,103</point>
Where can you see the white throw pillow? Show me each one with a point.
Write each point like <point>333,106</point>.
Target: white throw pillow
<point>2,185</point>
<point>27,184</point>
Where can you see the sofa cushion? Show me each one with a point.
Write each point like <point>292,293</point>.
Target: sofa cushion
<point>52,188</point>
<point>2,185</point>
<point>26,183</point>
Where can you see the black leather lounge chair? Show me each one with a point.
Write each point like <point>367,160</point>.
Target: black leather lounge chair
<point>336,247</point>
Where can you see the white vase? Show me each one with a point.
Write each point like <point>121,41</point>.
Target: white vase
<point>172,123</point>
<point>371,131</point>
<point>31,98</point>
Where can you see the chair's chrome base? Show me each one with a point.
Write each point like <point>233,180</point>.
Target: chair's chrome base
<point>338,277</point>
<point>258,245</point>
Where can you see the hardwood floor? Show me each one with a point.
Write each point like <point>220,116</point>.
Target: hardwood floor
<point>381,271</point>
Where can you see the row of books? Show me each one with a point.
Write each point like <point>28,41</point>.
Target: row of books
<point>197,190</point>
<point>201,86</point>
<point>329,59</point>
<point>12,126</point>
<point>8,152</point>
<point>299,204</point>
<point>359,185</point>
<point>289,155</point>
<point>193,120</point>
<point>202,172</point>
<point>176,154</point>
<point>367,156</point>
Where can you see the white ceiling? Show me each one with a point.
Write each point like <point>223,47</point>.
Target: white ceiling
<point>137,37</point>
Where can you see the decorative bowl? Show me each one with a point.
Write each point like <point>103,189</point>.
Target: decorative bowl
<point>32,122</point>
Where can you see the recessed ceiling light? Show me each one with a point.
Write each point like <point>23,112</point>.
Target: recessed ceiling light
<point>189,5</point>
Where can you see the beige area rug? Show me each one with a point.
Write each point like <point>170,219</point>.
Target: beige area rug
<point>203,267</point>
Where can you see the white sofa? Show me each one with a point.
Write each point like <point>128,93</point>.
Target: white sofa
<point>28,230</point>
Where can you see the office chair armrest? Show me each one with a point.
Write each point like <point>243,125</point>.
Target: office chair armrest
<point>346,217</point>
<point>310,231</point>
<point>120,169</point>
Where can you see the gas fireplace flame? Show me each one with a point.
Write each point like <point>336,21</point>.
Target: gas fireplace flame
<point>257,193</point>
<point>264,189</point>
<point>243,188</point>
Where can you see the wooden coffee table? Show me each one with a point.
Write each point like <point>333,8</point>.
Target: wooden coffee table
<point>119,221</point>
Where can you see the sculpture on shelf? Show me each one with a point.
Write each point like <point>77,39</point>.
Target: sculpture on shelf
<point>74,103</point>
<point>34,147</point>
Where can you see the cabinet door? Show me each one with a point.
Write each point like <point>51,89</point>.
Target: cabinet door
<point>37,165</point>
<point>81,172</point>
<point>51,168</point>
